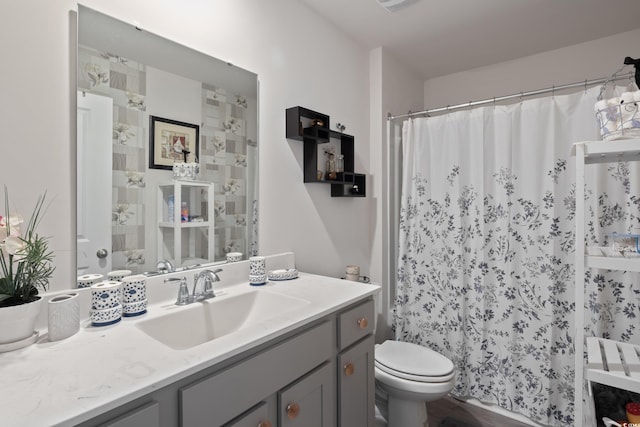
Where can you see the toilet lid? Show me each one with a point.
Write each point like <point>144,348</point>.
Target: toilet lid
<point>412,361</point>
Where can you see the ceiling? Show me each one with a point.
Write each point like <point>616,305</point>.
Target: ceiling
<point>439,37</point>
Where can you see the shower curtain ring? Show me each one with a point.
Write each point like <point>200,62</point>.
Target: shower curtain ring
<point>585,85</point>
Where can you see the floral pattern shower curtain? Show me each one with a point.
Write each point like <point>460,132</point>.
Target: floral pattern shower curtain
<point>486,249</point>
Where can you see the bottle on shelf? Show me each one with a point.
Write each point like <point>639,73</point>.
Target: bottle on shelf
<point>184,212</point>
<point>170,209</point>
<point>340,163</point>
<point>331,172</point>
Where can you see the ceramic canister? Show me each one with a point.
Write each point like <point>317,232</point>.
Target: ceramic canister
<point>353,273</point>
<point>107,316</point>
<point>64,316</point>
<point>134,288</point>
<point>353,269</point>
<point>131,309</point>
<point>256,280</point>
<point>257,266</point>
<point>106,294</point>
<point>118,275</point>
<point>234,256</point>
<point>86,280</point>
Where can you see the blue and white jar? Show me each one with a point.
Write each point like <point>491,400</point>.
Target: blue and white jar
<point>134,288</point>
<point>257,266</point>
<point>86,280</point>
<point>106,294</point>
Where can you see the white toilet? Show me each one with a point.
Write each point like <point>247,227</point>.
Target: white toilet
<point>407,376</point>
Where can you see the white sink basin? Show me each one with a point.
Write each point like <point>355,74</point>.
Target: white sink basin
<point>200,322</point>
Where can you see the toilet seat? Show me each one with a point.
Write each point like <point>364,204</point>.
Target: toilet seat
<point>413,362</point>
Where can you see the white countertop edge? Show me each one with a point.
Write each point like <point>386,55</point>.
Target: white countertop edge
<point>77,408</point>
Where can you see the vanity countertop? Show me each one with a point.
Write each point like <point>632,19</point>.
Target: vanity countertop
<point>100,368</point>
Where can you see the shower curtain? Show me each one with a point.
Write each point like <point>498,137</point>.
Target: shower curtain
<point>486,247</point>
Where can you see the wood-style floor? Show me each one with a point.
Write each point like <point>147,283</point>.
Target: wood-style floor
<point>450,412</point>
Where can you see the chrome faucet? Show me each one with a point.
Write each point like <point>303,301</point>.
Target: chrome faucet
<point>209,277</point>
<point>164,266</point>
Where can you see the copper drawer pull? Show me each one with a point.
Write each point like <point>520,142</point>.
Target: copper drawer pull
<point>264,424</point>
<point>293,410</point>
<point>349,369</point>
<point>363,323</point>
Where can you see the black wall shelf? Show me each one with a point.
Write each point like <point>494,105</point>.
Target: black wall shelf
<point>312,128</point>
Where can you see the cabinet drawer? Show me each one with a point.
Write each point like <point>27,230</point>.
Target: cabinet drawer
<point>145,416</point>
<point>355,323</point>
<point>217,399</point>
<point>258,416</point>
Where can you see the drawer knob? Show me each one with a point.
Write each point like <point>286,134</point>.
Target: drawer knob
<point>363,323</point>
<point>264,424</point>
<point>349,369</point>
<point>293,410</point>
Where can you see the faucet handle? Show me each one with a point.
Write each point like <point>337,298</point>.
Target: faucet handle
<point>207,290</point>
<point>183,292</point>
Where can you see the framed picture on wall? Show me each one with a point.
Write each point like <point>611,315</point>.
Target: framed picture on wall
<point>169,140</point>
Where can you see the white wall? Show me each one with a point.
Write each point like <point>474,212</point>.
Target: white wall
<point>586,61</point>
<point>299,59</point>
<point>393,88</point>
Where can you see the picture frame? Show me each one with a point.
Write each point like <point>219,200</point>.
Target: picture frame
<point>166,136</point>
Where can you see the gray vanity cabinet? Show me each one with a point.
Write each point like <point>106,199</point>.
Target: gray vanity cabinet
<point>319,375</point>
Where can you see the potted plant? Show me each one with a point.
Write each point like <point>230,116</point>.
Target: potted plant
<point>25,269</point>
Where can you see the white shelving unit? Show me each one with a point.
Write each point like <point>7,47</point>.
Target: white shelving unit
<point>608,362</point>
<point>177,240</point>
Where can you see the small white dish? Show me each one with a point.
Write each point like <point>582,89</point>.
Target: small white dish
<point>283,274</point>
<point>10,346</point>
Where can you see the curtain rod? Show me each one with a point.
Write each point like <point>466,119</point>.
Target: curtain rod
<point>520,95</point>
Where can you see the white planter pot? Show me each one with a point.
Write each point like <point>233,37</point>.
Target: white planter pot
<point>17,322</point>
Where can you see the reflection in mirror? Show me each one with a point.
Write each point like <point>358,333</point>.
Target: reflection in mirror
<point>130,215</point>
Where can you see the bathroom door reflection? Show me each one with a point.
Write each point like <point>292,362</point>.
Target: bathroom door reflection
<point>94,183</point>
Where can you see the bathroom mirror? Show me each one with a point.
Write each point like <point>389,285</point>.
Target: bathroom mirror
<point>128,78</point>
